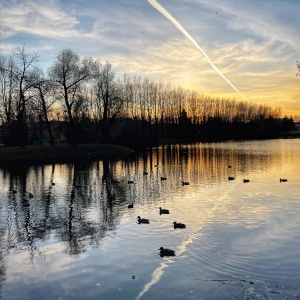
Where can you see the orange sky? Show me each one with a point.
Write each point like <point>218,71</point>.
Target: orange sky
<point>254,44</point>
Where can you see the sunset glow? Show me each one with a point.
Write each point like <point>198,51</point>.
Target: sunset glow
<point>253,44</point>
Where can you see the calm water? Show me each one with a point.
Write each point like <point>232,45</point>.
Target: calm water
<point>72,241</point>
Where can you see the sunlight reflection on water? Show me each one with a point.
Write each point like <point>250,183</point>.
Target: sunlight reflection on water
<point>77,238</point>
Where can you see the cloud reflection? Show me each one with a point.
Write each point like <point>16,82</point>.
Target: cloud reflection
<point>193,234</point>
<point>156,275</point>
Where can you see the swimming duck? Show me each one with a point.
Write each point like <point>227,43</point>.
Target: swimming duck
<point>185,183</point>
<point>230,178</point>
<point>142,220</point>
<point>282,180</point>
<point>163,211</point>
<point>246,180</point>
<point>130,181</point>
<point>163,178</point>
<point>166,252</point>
<point>130,205</point>
<point>178,225</point>
<point>145,173</point>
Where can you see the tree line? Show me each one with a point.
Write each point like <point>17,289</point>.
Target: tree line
<point>82,100</point>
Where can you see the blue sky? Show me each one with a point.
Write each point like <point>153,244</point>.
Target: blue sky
<point>254,43</point>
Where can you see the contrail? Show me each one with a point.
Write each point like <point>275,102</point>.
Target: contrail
<point>163,11</point>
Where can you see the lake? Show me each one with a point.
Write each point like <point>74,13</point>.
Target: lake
<point>67,232</point>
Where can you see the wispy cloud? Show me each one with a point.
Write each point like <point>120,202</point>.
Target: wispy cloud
<point>38,19</point>
<point>272,20</point>
<point>254,43</point>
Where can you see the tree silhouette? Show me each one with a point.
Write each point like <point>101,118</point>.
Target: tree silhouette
<point>68,73</point>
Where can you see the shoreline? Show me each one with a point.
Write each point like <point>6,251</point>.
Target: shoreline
<point>33,155</point>
<point>62,153</point>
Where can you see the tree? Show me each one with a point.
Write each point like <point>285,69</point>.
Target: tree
<point>288,124</point>
<point>6,88</point>
<point>22,72</point>
<point>108,98</point>
<point>68,73</point>
<point>43,87</point>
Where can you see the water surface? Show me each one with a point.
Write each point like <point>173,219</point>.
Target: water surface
<point>75,238</point>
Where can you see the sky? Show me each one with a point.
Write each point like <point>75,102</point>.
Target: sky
<point>237,49</point>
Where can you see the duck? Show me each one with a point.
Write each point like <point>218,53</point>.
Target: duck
<point>130,181</point>
<point>166,252</point>
<point>145,173</point>
<point>30,195</point>
<point>185,183</point>
<point>142,220</point>
<point>130,205</point>
<point>178,225</point>
<point>52,183</point>
<point>163,178</point>
<point>282,180</point>
<point>230,178</point>
<point>229,167</point>
<point>163,211</point>
<point>246,180</point>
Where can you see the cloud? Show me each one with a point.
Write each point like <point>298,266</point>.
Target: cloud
<point>178,58</point>
<point>255,43</point>
<point>273,20</point>
<point>37,19</point>
<point>252,66</point>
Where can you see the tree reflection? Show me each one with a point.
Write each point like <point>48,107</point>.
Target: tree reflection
<point>77,205</point>
<point>2,262</point>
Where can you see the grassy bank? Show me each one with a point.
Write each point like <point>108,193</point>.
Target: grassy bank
<point>59,153</point>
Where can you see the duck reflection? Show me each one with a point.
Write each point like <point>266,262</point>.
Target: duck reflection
<point>89,199</point>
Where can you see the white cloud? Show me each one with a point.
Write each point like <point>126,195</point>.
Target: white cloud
<point>45,20</point>
<point>272,20</point>
<point>255,43</point>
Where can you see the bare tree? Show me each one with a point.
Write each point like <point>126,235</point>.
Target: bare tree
<point>44,87</point>
<point>7,86</point>
<point>69,73</point>
<point>23,67</point>
<point>109,97</point>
